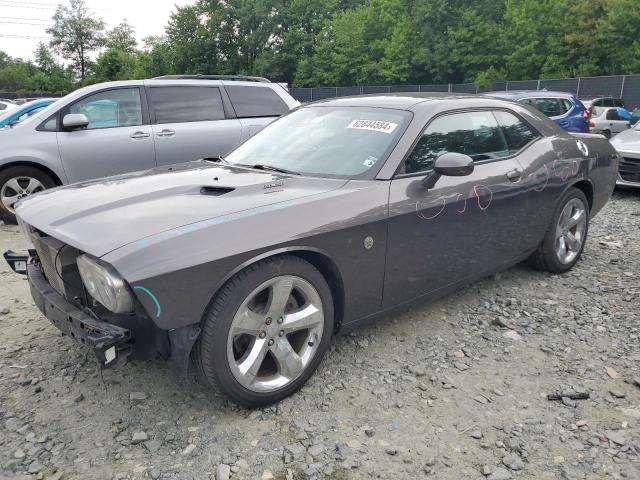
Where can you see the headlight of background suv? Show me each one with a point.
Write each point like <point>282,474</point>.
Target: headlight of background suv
<point>105,284</point>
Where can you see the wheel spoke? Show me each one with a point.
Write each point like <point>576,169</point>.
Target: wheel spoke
<point>9,200</point>
<point>248,322</point>
<point>562,247</point>
<point>252,362</point>
<point>308,317</point>
<point>33,185</point>
<point>575,219</point>
<point>572,242</point>
<point>289,362</point>
<point>13,185</point>
<point>278,297</point>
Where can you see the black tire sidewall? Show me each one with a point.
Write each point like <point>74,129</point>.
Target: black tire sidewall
<point>549,252</point>
<point>19,171</point>
<point>212,345</point>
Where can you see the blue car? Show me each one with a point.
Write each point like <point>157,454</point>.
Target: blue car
<point>563,108</point>
<point>24,111</point>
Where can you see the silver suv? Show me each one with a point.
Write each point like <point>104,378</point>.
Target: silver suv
<point>119,127</point>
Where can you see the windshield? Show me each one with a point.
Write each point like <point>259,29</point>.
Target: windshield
<point>326,141</point>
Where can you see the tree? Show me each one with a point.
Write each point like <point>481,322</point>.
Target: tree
<point>51,76</point>
<point>75,34</point>
<point>122,37</point>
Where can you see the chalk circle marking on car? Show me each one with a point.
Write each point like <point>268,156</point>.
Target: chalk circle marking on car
<point>373,126</point>
<point>583,148</point>
<point>152,296</point>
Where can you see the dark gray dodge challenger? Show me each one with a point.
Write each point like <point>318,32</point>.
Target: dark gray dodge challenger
<point>336,214</point>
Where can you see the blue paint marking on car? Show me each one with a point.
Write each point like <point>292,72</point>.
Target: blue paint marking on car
<point>24,111</point>
<point>152,296</point>
<point>563,108</point>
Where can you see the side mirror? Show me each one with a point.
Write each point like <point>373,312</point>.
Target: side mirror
<point>75,121</point>
<point>449,164</point>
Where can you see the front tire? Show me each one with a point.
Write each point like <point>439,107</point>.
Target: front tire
<point>564,242</point>
<point>19,182</point>
<point>266,331</point>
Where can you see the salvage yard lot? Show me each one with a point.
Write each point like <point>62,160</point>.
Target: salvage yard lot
<point>452,390</point>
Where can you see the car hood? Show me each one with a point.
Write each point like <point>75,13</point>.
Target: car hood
<point>627,141</point>
<point>100,216</point>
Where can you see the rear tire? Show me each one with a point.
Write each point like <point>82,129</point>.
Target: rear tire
<point>20,182</point>
<point>564,242</point>
<point>255,359</point>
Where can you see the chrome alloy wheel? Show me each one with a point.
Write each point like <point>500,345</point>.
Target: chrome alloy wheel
<point>570,231</point>
<point>16,188</point>
<point>275,333</point>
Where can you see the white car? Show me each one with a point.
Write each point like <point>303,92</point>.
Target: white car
<point>607,121</point>
<point>6,107</point>
<point>627,144</point>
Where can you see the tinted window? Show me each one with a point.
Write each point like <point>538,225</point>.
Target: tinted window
<point>187,104</point>
<point>618,103</point>
<point>476,134</point>
<point>612,114</point>
<point>517,133</point>
<point>256,101</point>
<point>113,108</point>
<point>565,104</point>
<point>551,107</point>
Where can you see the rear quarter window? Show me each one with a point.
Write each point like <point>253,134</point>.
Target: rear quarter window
<point>256,101</point>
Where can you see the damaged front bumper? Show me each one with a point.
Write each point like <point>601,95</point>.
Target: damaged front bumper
<point>110,343</point>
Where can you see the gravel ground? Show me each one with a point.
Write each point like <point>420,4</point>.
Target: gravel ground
<point>454,390</point>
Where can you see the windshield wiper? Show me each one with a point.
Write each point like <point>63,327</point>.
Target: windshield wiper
<point>218,159</point>
<point>260,166</point>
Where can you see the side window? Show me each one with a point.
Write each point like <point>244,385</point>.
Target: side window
<point>618,103</point>
<point>476,134</point>
<point>548,106</point>
<point>565,105</point>
<point>517,133</point>
<point>612,114</point>
<point>113,108</point>
<point>256,101</point>
<point>180,104</point>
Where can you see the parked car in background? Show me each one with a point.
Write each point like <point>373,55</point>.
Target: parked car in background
<point>603,102</point>
<point>627,144</point>
<point>563,108</point>
<point>334,215</point>
<point>607,121</point>
<point>24,111</point>
<point>6,105</point>
<point>119,127</point>
<point>635,116</point>
<point>21,101</point>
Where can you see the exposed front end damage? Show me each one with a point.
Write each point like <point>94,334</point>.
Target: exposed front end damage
<point>58,292</point>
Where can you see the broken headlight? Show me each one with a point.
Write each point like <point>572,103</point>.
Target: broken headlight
<point>105,285</point>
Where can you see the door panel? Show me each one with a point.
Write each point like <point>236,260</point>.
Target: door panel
<point>185,142</point>
<point>116,140</point>
<point>462,227</point>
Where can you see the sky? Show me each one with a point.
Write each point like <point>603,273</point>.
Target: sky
<point>23,23</point>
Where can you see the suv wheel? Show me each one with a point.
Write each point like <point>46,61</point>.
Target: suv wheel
<point>266,332</point>
<point>17,183</point>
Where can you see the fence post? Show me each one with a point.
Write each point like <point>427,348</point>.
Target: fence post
<point>538,87</point>
<point>311,93</point>
<point>624,77</point>
<point>578,90</point>
<point>507,86</point>
<point>449,88</point>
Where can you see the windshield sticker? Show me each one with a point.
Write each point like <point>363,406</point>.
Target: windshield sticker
<point>370,161</point>
<point>373,125</point>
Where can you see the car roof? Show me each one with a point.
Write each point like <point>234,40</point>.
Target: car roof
<point>520,94</point>
<point>397,100</point>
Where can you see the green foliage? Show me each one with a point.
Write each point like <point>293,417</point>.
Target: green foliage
<point>344,42</point>
<point>75,34</point>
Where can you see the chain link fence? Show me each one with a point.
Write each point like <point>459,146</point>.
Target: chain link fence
<point>626,87</point>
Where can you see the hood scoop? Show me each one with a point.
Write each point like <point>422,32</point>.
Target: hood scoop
<point>215,191</point>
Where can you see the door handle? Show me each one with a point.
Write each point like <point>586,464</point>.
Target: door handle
<point>514,175</point>
<point>137,135</point>
<point>166,133</point>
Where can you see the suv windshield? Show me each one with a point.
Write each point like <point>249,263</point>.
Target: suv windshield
<point>326,141</point>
